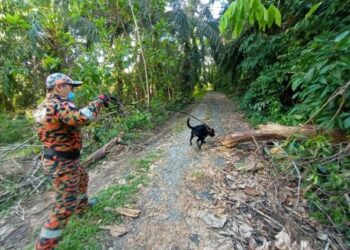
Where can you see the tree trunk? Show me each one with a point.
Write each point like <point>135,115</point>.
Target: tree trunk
<point>266,132</point>
<point>138,37</point>
<point>120,82</point>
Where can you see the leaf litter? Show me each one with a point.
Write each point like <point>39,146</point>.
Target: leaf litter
<point>263,212</point>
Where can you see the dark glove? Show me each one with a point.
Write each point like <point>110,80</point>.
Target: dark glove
<point>114,100</point>
<point>117,103</point>
<point>105,99</point>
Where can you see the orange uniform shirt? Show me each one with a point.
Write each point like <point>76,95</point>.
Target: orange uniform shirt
<point>58,122</point>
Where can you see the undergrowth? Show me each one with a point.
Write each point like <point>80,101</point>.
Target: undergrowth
<point>14,128</point>
<point>325,172</point>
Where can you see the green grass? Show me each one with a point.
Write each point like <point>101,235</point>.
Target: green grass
<point>132,136</point>
<point>24,151</point>
<point>14,194</point>
<point>198,175</point>
<point>14,128</point>
<point>84,232</point>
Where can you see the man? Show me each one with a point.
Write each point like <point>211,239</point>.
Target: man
<point>58,122</point>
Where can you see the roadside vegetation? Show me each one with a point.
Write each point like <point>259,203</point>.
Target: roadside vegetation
<point>298,73</point>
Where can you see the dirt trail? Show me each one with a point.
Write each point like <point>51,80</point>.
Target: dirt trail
<point>218,198</point>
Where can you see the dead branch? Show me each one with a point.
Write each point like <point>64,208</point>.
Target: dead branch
<point>18,146</point>
<point>256,144</point>
<point>37,186</point>
<point>298,172</point>
<point>267,217</point>
<point>36,166</point>
<point>102,152</point>
<point>337,156</point>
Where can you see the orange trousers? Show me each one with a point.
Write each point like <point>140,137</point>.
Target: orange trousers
<point>70,182</point>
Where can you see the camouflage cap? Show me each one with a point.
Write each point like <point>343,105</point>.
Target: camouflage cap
<point>59,78</point>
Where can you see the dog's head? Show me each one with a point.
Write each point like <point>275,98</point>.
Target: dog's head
<point>211,132</point>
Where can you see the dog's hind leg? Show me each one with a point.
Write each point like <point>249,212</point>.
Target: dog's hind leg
<point>192,136</point>
<point>199,143</point>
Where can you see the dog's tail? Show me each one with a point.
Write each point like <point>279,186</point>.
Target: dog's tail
<point>188,123</point>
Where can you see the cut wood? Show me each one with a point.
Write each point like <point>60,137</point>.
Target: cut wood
<point>267,132</point>
<point>128,212</point>
<point>102,152</point>
<point>116,230</point>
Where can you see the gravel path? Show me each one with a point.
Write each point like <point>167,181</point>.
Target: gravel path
<point>178,200</point>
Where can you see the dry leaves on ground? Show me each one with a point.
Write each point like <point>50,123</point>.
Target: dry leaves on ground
<point>262,205</point>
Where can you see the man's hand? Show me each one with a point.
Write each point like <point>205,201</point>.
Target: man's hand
<point>107,99</point>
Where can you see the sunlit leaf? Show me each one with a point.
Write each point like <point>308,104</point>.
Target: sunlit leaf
<point>271,15</point>
<point>249,11</point>
<point>347,123</point>
<point>308,76</point>
<point>266,15</point>
<point>312,10</point>
<point>296,83</point>
<point>278,18</point>
<point>342,36</point>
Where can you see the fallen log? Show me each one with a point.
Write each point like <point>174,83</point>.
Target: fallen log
<point>270,131</point>
<point>102,152</point>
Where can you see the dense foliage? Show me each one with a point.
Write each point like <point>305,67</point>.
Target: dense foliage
<point>129,48</point>
<point>147,53</point>
<point>296,74</point>
<point>326,179</point>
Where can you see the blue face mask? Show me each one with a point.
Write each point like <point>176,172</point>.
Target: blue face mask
<point>71,96</point>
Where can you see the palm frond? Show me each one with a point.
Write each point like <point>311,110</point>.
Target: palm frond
<point>82,27</point>
<point>210,31</point>
<point>181,22</point>
<point>230,55</point>
<point>36,36</point>
<point>144,13</point>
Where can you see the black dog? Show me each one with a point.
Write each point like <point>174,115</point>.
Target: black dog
<point>201,131</point>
